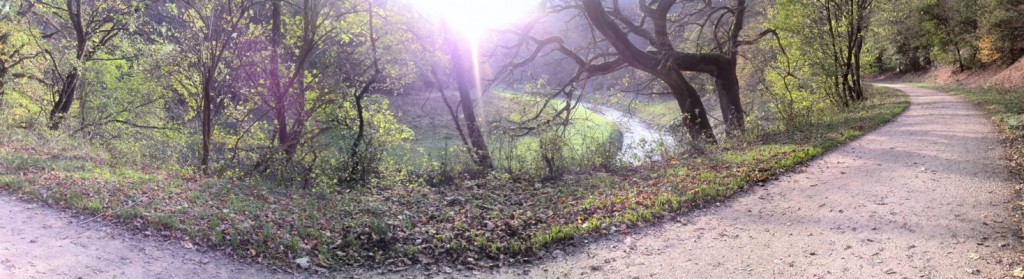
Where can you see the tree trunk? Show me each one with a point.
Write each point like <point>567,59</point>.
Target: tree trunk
<point>3,76</point>
<point>858,86</point>
<point>695,117</point>
<point>727,80</point>
<point>3,84</point>
<point>358,169</point>
<point>728,85</point>
<point>277,90</point>
<point>206,120</point>
<point>65,98</point>
<point>462,66</point>
<point>959,58</point>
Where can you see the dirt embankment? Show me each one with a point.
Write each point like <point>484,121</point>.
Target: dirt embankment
<point>993,77</point>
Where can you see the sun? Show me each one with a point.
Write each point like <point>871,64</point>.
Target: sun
<point>474,18</point>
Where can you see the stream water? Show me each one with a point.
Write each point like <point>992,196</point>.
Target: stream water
<point>640,142</point>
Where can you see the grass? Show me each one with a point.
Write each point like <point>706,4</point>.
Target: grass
<point>661,114</point>
<point>590,141</point>
<point>484,221</point>
<point>659,111</point>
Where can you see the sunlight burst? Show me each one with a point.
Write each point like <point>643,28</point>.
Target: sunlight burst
<point>473,18</point>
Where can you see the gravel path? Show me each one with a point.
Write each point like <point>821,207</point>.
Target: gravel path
<point>927,196</point>
<point>38,242</point>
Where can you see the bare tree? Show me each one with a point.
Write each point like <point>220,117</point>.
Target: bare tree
<point>463,111</point>
<point>210,29</point>
<point>285,89</point>
<point>651,36</point>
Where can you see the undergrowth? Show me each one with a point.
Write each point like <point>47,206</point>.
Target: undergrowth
<point>478,223</point>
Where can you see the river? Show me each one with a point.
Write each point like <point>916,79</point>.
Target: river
<point>640,142</point>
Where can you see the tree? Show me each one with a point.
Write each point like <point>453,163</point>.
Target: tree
<point>13,52</point>
<point>364,53</point>
<point>274,65</point>
<point>456,56</point>
<point>459,54</point>
<point>654,39</point>
<point>208,31</point>
<point>87,27</point>
<point>952,25</point>
<point>829,55</point>
<point>357,169</point>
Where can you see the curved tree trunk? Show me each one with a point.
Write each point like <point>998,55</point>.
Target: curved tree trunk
<point>728,85</point>
<point>65,98</point>
<point>462,67</point>
<point>695,117</point>
<point>727,78</point>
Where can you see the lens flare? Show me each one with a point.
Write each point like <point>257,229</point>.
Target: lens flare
<point>473,18</point>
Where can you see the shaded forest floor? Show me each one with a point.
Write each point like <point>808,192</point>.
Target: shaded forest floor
<point>472,224</point>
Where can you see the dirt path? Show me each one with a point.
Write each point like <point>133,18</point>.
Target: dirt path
<point>37,242</point>
<point>927,196</point>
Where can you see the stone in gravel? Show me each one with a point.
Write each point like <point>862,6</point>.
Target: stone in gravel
<point>558,254</point>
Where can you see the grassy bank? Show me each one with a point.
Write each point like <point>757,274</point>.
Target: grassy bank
<point>658,111</point>
<point>475,223</point>
<point>589,141</point>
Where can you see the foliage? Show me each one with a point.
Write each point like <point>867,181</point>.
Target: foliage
<point>1002,31</point>
<point>825,60</point>
<point>484,221</point>
<point>968,34</point>
<point>587,141</point>
<point>950,26</point>
<point>280,129</point>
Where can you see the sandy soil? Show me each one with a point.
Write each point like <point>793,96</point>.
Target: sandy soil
<point>927,196</point>
<point>38,242</point>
